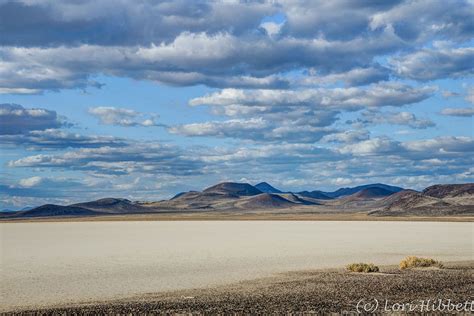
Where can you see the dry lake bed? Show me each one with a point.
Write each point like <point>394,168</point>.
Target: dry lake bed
<point>44,264</point>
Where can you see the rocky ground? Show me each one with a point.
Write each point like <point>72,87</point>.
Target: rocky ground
<point>301,293</point>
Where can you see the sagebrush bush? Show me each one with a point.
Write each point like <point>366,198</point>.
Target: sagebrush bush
<point>362,267</point>
<point>417,262</point>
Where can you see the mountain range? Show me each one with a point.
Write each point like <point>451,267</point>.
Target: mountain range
<point>372,199</point>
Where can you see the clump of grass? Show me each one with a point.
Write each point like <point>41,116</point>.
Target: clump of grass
<point>362,267</point>
<point>417,262</point>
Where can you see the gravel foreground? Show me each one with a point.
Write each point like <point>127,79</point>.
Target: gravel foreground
<point>306,292</point>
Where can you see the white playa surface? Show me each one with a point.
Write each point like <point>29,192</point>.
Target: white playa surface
<point>63,262</point>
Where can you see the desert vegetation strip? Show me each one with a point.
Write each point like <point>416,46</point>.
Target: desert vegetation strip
<point>417,262</point>
<point>362,267</point>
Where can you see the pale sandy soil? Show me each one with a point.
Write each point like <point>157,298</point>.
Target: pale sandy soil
<point>44,264</point>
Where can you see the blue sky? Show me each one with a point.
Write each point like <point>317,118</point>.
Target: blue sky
<point>144,99</point>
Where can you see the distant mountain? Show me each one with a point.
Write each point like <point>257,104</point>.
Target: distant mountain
<point>364,199</point>
<point>221,196</point>
<point>26,208</point>
<point>409,202</point>
<point>449,190</point>
<point>52,210</point>
<point>267,188</point>
<point>112,205</point>
<point>407,199</point>
<point>297,199</point>
<point>373,199</point>
<point>266,200</point>
<point>197,200</point>
<point>315,195</point>
<point>372,192</point>
<point>349,191</point>
<point>234,188</point>
<point>180,194</point>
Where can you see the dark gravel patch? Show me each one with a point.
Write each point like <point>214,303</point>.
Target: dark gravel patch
<point>296,293</point>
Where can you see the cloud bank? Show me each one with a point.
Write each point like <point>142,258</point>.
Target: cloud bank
<point>303,94</point>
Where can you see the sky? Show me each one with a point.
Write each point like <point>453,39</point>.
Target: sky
<point>144,99</point>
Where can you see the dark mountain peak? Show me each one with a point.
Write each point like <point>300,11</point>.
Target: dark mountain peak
<point>315,195</point>
<point>449,190</point>
<point>105,202</point>
<point>349,191</point>
<point>373,192</point>
<point>267,188</point>
<point>383,186</point>
<point>240,189</point>
<point>109,201</point>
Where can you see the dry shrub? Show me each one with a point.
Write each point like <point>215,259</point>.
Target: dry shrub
<point>362,267</point>
<point>417,262</point>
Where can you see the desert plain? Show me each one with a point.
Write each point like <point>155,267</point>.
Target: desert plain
<point>219,266</point>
